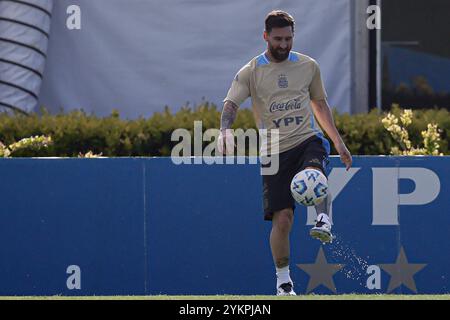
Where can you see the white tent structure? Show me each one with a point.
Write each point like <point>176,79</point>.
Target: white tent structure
<point>24,35</point>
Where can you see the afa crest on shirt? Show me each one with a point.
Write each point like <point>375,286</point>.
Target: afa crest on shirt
<point>283,81</point>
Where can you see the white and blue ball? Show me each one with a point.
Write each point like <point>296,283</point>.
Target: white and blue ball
<point>309,187</point>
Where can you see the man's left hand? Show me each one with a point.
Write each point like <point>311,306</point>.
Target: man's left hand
<point>346,157</point>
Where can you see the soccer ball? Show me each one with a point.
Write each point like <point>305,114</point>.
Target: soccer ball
<point>309,187</point>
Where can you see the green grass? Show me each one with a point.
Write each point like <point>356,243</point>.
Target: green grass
<point>231,297</point>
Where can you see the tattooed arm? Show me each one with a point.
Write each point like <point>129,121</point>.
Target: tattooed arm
<point>229,112</point>
<point>237,94</point>
<point>226,137</point>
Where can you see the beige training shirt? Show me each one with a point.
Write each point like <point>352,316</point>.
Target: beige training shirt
<point>281,95</point>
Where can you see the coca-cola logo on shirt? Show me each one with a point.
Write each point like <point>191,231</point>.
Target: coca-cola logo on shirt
<point>284,106</point>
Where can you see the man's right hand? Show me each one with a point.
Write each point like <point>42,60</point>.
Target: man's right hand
<point>225,142</point>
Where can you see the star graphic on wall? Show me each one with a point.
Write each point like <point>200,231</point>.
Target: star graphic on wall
<point>321,272</point>
<point>402,272</point>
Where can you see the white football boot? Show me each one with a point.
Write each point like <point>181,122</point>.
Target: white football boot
<point>286,289</point>
<point>322,230</point>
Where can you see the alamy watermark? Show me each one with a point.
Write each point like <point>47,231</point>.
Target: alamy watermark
<point>235,144</point>
<point>374,20</point>
<point>74,279</point>
<point>73,21</point>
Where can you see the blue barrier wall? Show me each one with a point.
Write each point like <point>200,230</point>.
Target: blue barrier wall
<point>133,226</point>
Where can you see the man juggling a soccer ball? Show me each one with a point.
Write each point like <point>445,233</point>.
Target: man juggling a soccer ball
<point>287,92</point>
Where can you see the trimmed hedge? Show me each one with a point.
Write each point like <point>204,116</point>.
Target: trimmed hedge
<point>77,132</point>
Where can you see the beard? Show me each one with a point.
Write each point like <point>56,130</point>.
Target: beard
<point>278,54</point>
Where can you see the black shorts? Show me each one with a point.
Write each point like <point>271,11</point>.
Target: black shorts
<point>313,152</point>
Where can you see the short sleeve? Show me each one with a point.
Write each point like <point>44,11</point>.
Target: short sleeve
<point>316,88</point>
<point>240,87</point>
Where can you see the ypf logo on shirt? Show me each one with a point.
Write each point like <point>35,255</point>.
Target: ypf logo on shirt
<point>282,81</point>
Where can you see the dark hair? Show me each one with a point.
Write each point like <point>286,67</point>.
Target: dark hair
<point>279,19</point>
